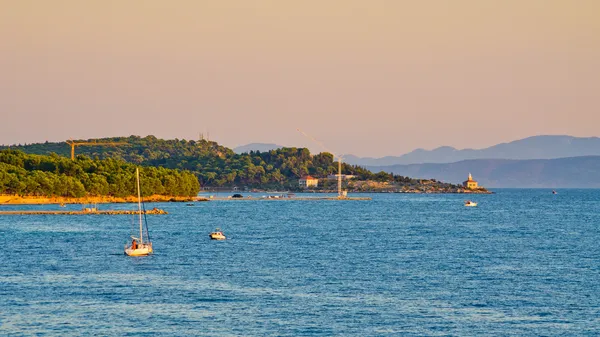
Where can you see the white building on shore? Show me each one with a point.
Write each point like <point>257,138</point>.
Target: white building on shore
<point>308,181</point>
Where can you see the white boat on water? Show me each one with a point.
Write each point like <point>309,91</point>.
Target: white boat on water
<point>469,203</point>
<point>139,246</point>
<point>217,235</point>
<point>141,249</point>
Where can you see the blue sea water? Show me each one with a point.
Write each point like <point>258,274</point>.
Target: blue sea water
<point>524,262</point>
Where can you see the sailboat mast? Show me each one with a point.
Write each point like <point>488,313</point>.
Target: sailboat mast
<point>339,180</point>
<point>137,173</point>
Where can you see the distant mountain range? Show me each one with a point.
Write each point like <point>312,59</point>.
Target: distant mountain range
<point>537,147</point>
<point>538,161</point>
<point>574,172</point>
<point>262,147</point>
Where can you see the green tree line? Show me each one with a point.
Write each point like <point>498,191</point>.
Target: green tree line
<point>53,175</point>
<point>216,165</point>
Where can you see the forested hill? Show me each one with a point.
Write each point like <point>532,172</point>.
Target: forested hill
<point>135,149</point>
<point>215,165</point>
<point>53,175</point>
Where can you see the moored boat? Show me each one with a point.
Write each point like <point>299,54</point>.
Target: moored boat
<point>470,203</point>
<point>140,246</point>
<point>217,235</point>
<point>141,249</point>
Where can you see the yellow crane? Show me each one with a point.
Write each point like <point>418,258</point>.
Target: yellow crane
<point>92,143</point>
<point>339,175</point>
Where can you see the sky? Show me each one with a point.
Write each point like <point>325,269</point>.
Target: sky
<point>369,78</point>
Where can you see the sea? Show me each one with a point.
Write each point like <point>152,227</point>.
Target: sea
<point>524,262</point>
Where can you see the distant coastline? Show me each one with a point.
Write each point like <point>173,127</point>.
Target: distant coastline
<point>47,200</point>
<point>180,168</point>
<point>457,191</point>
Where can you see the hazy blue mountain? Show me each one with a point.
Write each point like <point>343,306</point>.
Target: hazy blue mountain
<point>262,147</point>
<point>573,172</point>
<point>537,147</point>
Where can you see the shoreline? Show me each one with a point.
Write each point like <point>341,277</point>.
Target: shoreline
<point>413,192</point>
<point>42,200</point>
<point>357,192</point>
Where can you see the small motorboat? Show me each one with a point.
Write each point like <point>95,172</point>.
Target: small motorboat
<point>469,203</point>
<point>217,235</point>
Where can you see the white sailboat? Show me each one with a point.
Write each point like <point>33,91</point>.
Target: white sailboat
<point>139,246</point>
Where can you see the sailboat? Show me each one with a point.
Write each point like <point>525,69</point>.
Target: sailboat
<point>139,246</point>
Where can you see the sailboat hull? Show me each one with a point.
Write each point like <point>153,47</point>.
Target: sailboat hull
<point>142,250</point>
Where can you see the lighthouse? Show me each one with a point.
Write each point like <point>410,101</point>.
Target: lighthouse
<point>470,183</point>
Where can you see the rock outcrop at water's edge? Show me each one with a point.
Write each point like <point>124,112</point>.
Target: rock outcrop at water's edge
<point>411,186</point>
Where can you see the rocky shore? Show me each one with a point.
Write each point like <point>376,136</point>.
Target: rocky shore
<point>423,186</point>
<point>40,200</point>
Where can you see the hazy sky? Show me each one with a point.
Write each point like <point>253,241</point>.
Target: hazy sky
<point>369,77</point>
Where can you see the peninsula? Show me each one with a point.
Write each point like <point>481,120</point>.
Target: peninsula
<point>177,168</point>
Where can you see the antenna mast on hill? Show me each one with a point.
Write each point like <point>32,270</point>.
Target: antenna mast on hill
<point>339,175</point>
